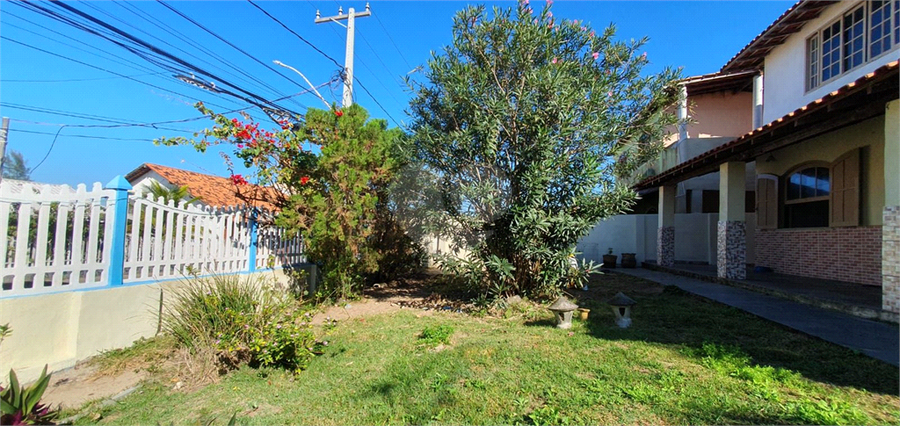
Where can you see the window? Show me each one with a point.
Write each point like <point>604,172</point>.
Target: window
<point>812,58</point>
<point>879,28</point>
<point>806,198</point>
<point>860,35</point>
<point>854,36</point>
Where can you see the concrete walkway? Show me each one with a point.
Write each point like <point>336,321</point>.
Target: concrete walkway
<point>876,339</point>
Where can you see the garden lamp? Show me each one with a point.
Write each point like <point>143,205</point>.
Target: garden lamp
<point>563,309</point>
<point>621,306</point>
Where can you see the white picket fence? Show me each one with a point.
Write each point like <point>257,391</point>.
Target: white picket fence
<point>57,239</point>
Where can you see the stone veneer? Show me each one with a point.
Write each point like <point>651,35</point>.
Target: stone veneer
<point>890,252</point>
<point>850,254</point>
<point>731,250</point>
<point>665,246</point>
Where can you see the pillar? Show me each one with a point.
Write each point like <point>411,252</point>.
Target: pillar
<point>731,253</point>
<point>682,113</point>
<point>665,237</point>
<point>757,101</point>
<point>119,209</point>
<point>890,230</point>
<point>254,240</point>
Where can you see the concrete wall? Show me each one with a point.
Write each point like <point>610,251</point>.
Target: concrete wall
<point>868,135</point>
<point>61,329</point>
<point>695,237</point>
<point>722,114</point>
<point>785,68</point>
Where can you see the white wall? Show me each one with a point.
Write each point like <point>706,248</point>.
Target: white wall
<point>695,237</point>
<point>785,68</point>
<point>143,185</point>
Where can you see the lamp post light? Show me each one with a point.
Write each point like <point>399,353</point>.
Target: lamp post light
<point>621,306</point>
<point>563,309</point>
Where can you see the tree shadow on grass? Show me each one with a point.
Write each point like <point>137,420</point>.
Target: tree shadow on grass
<point>675,317</point>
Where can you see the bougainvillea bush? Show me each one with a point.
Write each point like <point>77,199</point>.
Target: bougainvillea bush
<point>328,194</point>
<point>528,123</point>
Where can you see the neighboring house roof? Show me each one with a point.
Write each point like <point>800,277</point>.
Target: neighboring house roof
<point>719,82</point>
<point>851,104</point>
<point>752,55</point>
<point>213,190</point>
<point>17,186</point>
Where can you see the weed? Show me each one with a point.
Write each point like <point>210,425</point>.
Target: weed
<point>436,335</point>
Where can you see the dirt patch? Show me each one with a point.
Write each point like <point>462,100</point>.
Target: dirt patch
<point>73,387</point>
<point>412,293</point>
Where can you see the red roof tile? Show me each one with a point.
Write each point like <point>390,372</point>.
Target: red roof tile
<point>213,190</point>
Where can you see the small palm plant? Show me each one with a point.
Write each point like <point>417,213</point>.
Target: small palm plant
<point>176,194</point>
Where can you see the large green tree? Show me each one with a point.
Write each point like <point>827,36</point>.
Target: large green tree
<point>328,194</point>
<point>528,123</point>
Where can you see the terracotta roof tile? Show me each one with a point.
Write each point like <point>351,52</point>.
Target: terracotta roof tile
<point>717,154</point>
<point>213,190</point>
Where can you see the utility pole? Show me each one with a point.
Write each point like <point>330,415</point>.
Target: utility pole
<point>3,132</point>
<point>348,59</point>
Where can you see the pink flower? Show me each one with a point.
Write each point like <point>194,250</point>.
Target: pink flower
<point>550,14</point>
<point>575,22</point>
<point>549,2</point>
<point>596,55</point>
<point>535,20</point>
<point>644,55</point>
<point>609,94</point>
<point>524,1</point>
<point>591,34</point>
<point>583,28</point>
<point>553,61</point>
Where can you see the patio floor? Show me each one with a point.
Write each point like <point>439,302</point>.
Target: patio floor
<point>858,299</point>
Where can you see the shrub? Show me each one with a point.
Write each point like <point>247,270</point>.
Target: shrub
<point>21,404</point>
<point>243,320</point>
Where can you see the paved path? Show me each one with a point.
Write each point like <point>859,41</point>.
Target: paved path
<point>876,339</point>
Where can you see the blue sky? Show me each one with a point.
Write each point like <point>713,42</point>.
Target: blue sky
<point>699,36</point>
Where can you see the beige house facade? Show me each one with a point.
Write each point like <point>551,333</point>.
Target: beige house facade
<point>815,170</point>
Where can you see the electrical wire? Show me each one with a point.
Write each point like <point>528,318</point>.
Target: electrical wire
<point>230,44</point>
<point>152,50</point>
<point>82,136</point>
<point>250,78</point>
<point>71,80</point>
<point>392,40</point>
<point>297,35</point>
<point>378,103</point>
<point>52,144</point>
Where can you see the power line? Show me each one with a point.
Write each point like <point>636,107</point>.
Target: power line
<point>378,103</point>
<point>82,136</point>
<point>97,67</point>
<point>154,50</point>
<point>392,41</point>
<point>296,35</point>
<point>49,150</point>
<point>71,80</point>
<point>229,43</point>
<point>180,36</point>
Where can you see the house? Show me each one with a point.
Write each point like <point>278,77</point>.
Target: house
<point>813,188</point>
<point>211,190</point>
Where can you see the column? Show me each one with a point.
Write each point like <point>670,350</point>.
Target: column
<point>254,240</point>
<point>890,230</point>
<point>665,237</point>
<point>757,101</point>
<point>731,250</point>
<point>119,211</point>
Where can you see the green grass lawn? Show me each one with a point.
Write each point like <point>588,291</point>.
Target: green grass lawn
<point>685,360</point>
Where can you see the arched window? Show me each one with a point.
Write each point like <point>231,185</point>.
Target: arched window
<point>806,198</point>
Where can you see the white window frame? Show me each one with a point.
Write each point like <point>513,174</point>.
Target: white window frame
<point>817,41</point>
